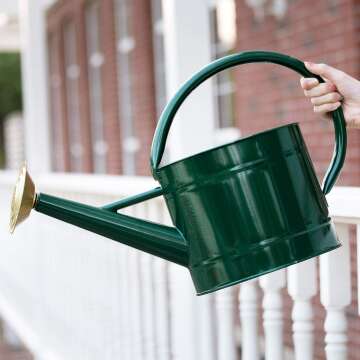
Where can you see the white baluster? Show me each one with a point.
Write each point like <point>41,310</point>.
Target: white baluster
<point>249,320</point>
<point>114,278</point>
<point>125,303</point>
<point>183,315</point>
<point>335,294</point>
<point>206,327</point>
<point>302,287</point>
<point>182,308</point>
<point>135,299</point>
<point>273,317</point>
<point>148,306</point>
<point>161,296</point>
<point>225,324</point>
<point>162,309</point>
<point>127,298</point>
<point>147,302</point>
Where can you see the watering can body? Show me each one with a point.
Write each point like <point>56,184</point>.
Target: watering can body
<point>239,210</point>
<point>248,207</point>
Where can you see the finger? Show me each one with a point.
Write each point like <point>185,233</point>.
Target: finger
<point>308,83</point>
<point>329,98</point>
<point>321,89</point>
<point>325,71</point>
<point>325,108</point>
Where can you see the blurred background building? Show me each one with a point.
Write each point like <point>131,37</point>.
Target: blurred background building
<point>107,78</point>
<point>97,74</point>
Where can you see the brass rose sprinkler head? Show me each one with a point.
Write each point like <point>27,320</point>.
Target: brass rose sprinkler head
<point>23,199</point>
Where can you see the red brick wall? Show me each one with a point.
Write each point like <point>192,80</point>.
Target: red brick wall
<point>268,95</point>
<point>142,74</point>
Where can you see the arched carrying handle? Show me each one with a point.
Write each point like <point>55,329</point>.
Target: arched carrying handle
<point>166,118</point>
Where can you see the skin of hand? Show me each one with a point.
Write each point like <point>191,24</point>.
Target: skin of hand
<point>339,89</point>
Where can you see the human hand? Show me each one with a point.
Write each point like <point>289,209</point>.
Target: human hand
<point>339,88</point>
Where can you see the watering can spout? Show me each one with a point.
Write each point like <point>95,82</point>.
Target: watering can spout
<point>159,240</point>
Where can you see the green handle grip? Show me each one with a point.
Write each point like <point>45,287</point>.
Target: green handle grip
<point>167,116</point>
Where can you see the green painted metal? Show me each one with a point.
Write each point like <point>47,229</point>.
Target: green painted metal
<point>132,200</point>
<point>159,240</point>
<point>240,210</point>
<point>248,208</point>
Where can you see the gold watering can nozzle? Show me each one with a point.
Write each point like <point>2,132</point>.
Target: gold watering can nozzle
<point>23,199</point>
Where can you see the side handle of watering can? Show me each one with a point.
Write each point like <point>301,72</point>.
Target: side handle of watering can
<point>211,69</point>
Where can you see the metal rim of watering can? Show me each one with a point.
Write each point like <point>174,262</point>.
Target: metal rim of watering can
<point>167,116</point>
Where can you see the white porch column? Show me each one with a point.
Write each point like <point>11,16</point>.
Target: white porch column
<point>335,295</point>
<point>35,88</point>
<point>187,44</point>
<point>187,47</point>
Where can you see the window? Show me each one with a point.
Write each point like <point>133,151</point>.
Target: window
<point>159,58</point>
<point>223,33</point>
<point>72,97</point>
<point>95,61</point>
<point>58,159</point>
<point>125,44</point>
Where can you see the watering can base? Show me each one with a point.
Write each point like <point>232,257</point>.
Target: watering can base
<point>282,252</point>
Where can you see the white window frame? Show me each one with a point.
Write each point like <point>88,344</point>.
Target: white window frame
<point>223,86</point>
<point>95,61</point>
<point>72,72</point>
<point>125,45</point>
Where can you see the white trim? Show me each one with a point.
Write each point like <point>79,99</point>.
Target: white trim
<point>344,204</point>
<point>95,184</point>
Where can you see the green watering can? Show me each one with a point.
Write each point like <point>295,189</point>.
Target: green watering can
<point>240,210</point>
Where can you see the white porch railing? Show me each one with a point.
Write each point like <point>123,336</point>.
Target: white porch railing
<point>71,294</point>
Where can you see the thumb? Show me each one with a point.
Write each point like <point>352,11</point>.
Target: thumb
<point>325,71</point>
